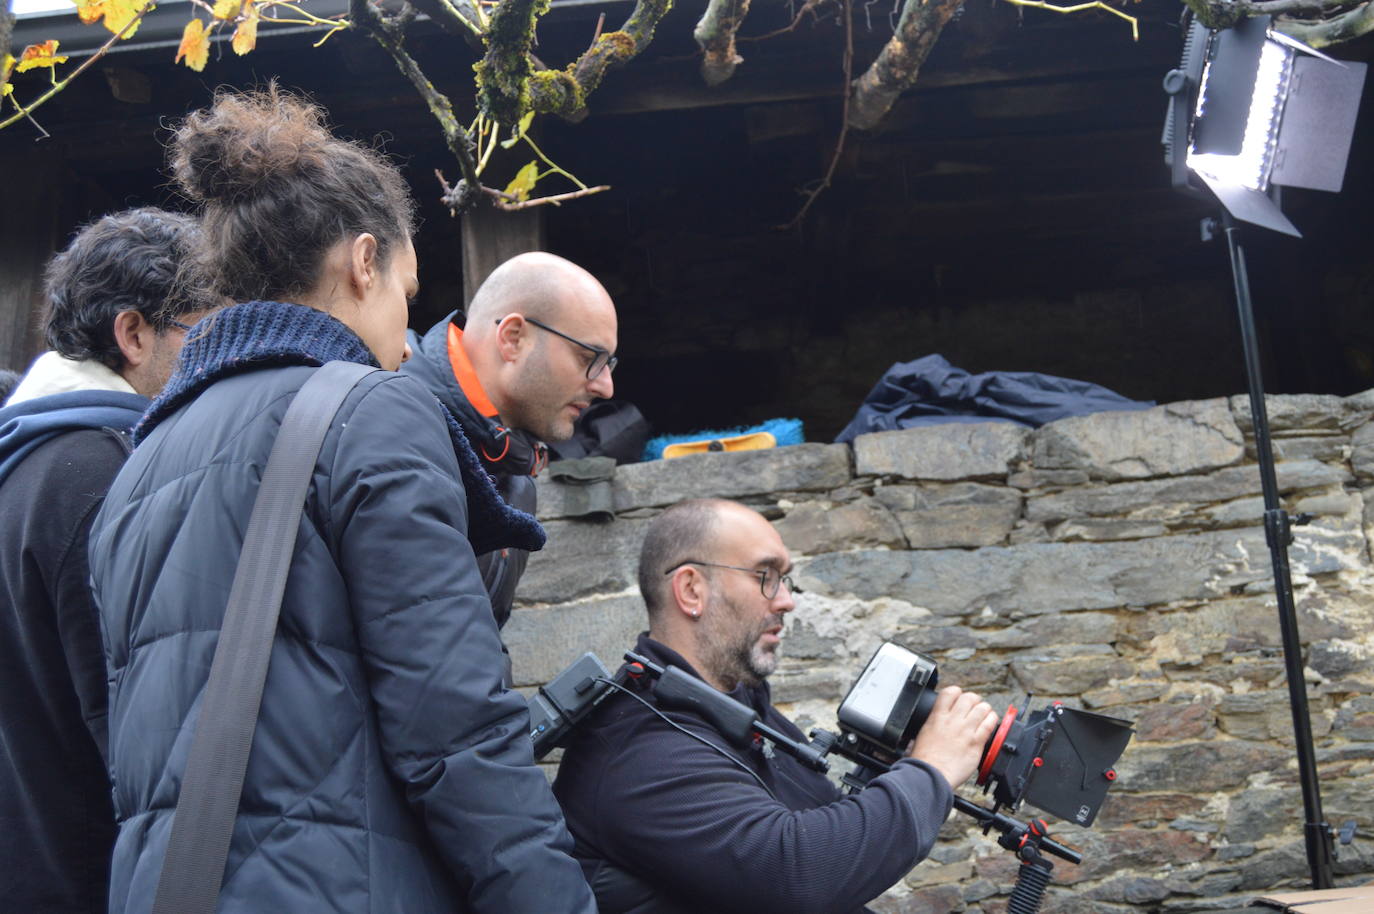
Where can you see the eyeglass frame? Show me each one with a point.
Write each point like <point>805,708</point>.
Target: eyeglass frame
<point>173,322</point>
<point>611,359</point>
<point>762,573</point>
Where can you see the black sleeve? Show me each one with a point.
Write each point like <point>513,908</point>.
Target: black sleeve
<point>671,810</point>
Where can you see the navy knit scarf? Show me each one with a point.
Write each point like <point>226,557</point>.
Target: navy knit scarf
<point>266,334</point>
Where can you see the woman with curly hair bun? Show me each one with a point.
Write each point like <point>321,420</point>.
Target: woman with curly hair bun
<point>390,769</point>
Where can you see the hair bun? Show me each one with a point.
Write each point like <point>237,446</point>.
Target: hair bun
<point>246,142</point>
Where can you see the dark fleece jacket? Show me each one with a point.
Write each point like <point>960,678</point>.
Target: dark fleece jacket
<point>58,455</point>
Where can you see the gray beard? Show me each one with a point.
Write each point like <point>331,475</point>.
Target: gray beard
<point>739,659</point>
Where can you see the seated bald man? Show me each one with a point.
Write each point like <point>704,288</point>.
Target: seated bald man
<point>535,349</point>
<point>664,822</point>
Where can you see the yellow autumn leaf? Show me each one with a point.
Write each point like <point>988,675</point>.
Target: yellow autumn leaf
<point>227,9</point>
<point>40,55</point>
<point>6,67</point>
<point>520,130</point>
<point>118,14</point>
<point>246,35</point>
<point>90,10</point>
<point>195,45</point>
<point>524,181</point>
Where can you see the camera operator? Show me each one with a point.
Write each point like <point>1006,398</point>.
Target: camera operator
<point>674,818</point>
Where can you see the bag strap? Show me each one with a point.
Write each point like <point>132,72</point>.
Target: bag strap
<point>212,784</point>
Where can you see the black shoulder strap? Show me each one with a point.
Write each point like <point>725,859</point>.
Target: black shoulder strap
<point>203,823</point>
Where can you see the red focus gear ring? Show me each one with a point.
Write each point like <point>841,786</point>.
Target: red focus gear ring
<point>995,747</point>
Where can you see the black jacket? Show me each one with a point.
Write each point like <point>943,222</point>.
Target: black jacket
<point>643,798</point>
<point>56,822</point>
<point>390,770</point>
<point>511,456</point>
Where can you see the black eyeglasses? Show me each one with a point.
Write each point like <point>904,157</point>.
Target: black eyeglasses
<point>770,579</point>
<point>600,357</point>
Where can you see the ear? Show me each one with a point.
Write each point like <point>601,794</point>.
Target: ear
<point>690,591</point>
<point>512,335</point>
<point>134,336</point>
<point>363,269</point>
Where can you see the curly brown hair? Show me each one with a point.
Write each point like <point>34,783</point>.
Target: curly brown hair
<point>277,190</point>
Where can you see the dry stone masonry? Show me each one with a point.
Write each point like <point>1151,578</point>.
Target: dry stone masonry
<point>1115,561</point>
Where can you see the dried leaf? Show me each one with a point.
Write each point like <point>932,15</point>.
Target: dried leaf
<point>195,46</point>
<point>246,35</point>
<point>524,181</point>
<point>6,68</point>
<point>119,13</point>
<point>40,55</point>
<point>90,10</point>
<point>227,9</point>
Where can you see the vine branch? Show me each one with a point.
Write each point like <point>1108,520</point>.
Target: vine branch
<point>26,111</point>
<point>455,137</point>
<point>715,35</point>
<point>900,61</point>
<point>820,188</point>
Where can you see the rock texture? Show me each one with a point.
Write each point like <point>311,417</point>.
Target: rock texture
<point>1115,562</point>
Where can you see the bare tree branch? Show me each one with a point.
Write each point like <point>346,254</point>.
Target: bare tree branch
<point>1322,33</point>
<point>458,19</point>
<point>564,92</point>
<point>810,6</point>
<point>816,191</point>
<point>510,203</point>
<point>900,61</point>
<point>455,137</point>
<point>715,35</point>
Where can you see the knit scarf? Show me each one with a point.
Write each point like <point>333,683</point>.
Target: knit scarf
<point>266,334</point>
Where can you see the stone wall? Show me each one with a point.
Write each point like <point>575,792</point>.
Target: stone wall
<point>1113,561</point>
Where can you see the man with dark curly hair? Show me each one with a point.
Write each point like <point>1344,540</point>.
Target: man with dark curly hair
<point>114,324</point>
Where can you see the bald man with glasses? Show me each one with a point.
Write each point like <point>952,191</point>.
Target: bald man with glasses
<point>670,817</point>
<point>534,350</point>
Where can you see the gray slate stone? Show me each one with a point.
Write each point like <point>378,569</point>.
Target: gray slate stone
<point>1063,677</point>
<point>582,558</point>
<point>1059,629</point>
<point>1297,412</point>
<point>1196,767</point>
<point>796,468</point>
<point>659,483</point>
<point>1362,452</point>
<point>544,642</point>
<point>1171,440</point>
<point>1165,499</point>
<point>950,451</point>
<point>959,514</point>
<point>1039,578</point>
<point>811,528</point>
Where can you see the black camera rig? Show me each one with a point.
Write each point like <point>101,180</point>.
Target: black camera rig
<point>1058,759</point>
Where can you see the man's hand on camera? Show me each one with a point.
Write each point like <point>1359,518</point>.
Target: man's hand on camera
<point>953,736</point>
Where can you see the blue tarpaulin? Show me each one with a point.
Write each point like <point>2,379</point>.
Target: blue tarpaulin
<point>930,390</point>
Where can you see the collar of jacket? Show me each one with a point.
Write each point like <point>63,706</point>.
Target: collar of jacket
<point>440,363</point>
<point>53,373</point>
<point>263,334</point>
<point>26,425</point>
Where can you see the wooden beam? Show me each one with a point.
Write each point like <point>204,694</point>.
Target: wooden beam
<point>492,236</point>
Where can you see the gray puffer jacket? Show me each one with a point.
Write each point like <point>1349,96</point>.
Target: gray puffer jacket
<point>390,770</point>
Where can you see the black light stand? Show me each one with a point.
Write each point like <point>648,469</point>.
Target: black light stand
<point>1279,535</point>
<point>1302,139</point>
